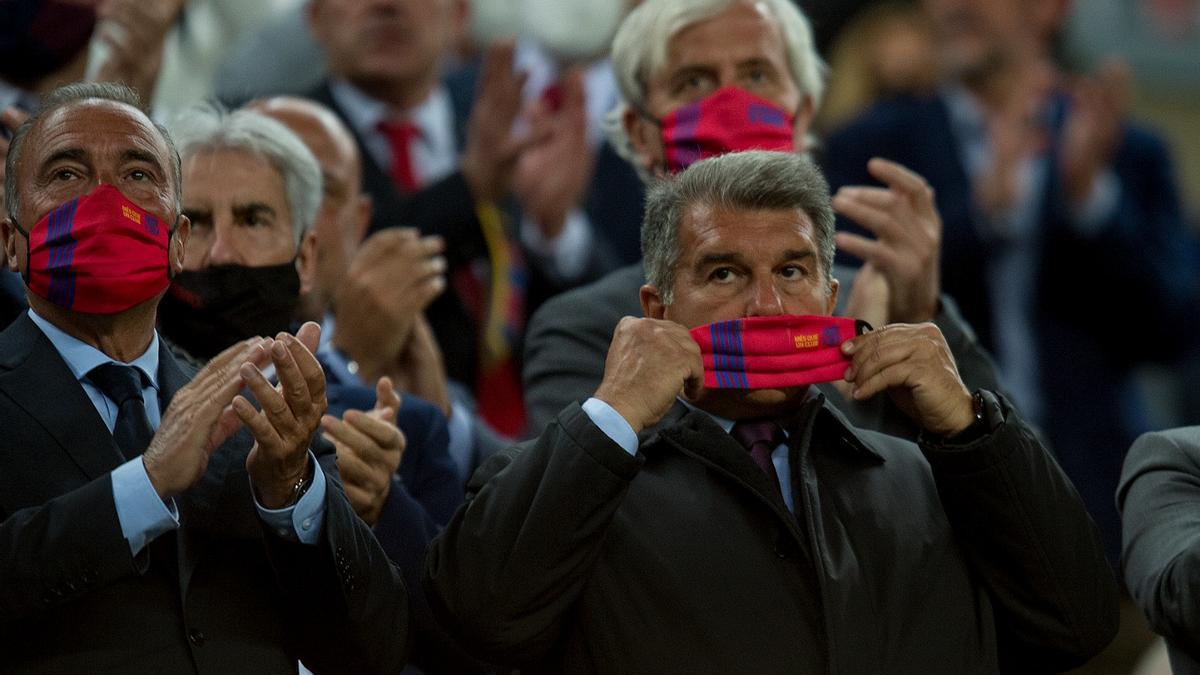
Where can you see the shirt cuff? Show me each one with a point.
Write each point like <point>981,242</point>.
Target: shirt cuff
<point>612,424</point>
<point>461,445</point>
<point>303,520</point>
<point>140,511</point>
<point>1102,200</point>
<point>568,253</point>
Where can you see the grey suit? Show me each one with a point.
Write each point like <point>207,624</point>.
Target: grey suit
<point>1159,501</point>
<point>567,342</point>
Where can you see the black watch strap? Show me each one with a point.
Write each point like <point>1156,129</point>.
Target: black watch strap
<point>988,415</point>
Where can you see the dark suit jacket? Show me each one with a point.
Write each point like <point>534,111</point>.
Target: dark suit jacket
<point>1159,500</point>
<point>1141,262</point>
<point>446,208</point>
<point>569,336</point>
<point>220,594</point>
<point>573,556</point>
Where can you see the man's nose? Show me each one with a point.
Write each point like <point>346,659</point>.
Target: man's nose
<point>765,299</point>
<point>224,250</point>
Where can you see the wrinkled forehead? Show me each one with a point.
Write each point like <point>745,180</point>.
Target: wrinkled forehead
<point>93,127</point>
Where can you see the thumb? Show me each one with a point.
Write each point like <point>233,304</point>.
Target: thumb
<point>385,394</point>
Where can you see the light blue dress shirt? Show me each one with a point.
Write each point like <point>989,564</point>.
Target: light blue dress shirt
<point>141,512</point>
<point>620,432</point>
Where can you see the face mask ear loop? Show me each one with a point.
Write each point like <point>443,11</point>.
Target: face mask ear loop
<point>24,274</point>
<point>862,327</point>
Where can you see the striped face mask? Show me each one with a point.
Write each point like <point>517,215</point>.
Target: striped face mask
<point>774,352</point>
<point>99,254</point>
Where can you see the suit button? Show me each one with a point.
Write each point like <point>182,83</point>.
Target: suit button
<point>196,637</point>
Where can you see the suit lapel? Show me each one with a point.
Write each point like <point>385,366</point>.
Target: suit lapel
<point>39,381</point>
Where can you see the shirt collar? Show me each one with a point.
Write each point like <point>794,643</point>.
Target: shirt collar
<point>81,357</point>
<point>365,113</point>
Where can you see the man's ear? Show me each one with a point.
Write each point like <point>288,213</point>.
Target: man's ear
<point>833,296</point>
<point>804,117</point>
<point>177,248</point>
<point>9,239</point>
<point>652,304</point>
<point>306,261</point>
<point>646,139</point>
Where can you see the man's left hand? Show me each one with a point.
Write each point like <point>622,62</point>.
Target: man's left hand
<point>369,449</point>
<point>914,365</point>
<point>289,417</point>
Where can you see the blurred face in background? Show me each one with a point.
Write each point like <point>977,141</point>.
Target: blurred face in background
<point>741,47</point>
<point>373,42</point>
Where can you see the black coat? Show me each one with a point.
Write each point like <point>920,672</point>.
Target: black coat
<point>574,556</point>
<point>221,594</point>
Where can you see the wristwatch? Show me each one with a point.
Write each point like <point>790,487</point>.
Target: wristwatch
<point>988,416</point>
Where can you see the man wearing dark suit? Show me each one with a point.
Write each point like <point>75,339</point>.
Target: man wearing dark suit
<point>663,525</point>
<point>565,348</point>
<point>439,155</point>
<point>1158,499</point>
<point>212,550</point>
<point>1036,183</point>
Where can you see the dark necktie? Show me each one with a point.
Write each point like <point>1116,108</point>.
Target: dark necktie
<point>123,384</point>
<point>760,438</point>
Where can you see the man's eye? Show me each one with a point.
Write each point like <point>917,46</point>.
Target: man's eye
<point>65,174</point>
<point>139,175</point>
<point>794,272</point>
<point>721,274</point>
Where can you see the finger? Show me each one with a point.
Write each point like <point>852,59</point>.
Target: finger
<point>381,433</point>
<point>310,336</point>
<point>291,380</point>
<point>865,249</point>
<point>877,197</point>
<point>898,177</point>
<point>352,467</point>
<point>13,117</point>
<point>432,245</point>
<point>256,423</point>
<point>386,395</point>
<point>227,424</point>
<point>310,367</point>
<point>881,223</point>
<point>275,410</point>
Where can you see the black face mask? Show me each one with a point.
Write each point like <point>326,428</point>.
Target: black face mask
<point>206,311</point>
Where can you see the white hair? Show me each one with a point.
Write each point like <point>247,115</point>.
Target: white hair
<point>639,49</point>
<point>207,127</point>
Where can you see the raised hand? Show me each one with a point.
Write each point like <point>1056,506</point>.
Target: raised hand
<point>420,370</point>
<point>1092,129</point>
<point>132,33</point>
<point>493,145</point>
<point>391,280</point>
<point>553,175</point>
<point>913,364</point>
<point>194,425</point>
<point>289,417</point>
<point>906,249</point>
<point>10,119</point>
<point>369,449</point>
<point>650,361</point>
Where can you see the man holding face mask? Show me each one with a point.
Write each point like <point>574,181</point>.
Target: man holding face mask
<point>142,531</point>
<point>669,509</point>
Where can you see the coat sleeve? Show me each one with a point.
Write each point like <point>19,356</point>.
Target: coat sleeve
<point>347,602</point>
<point>1158,497</point>
<point>512,563</point>
<point>1032,545</point>
<point>56,552</point>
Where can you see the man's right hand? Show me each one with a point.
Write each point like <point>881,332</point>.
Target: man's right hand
<point>200,419</point>
<point>392,279</point>
<point>649,363</point>
<point>493,146</point>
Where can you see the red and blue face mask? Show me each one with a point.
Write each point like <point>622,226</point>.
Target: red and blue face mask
<point>99,254</point>
<point>728,120</point>
<point>774,352</point>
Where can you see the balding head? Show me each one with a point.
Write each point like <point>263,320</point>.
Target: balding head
<point>345,211</point>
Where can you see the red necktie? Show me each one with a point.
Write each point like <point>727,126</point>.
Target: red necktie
<point>760,438</point>
<point>400,135</point>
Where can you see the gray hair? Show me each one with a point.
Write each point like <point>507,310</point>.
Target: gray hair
<point>75,93</point>
<point>208,127</point>
<point>639,49</point>
<point>750,181</point>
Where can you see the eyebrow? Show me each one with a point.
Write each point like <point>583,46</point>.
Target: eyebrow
<point>136,155</point>
<point>242,210</point>
<point>719,258</point>
<point>74,154</point>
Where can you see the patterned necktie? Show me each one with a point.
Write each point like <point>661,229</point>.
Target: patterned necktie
<point>760,438</point>
<point>123,384</point>
<point>400,136</point>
